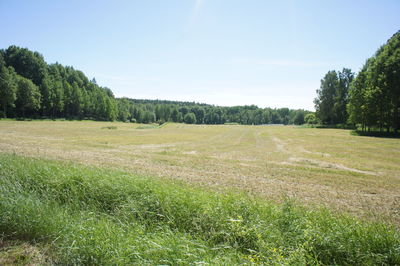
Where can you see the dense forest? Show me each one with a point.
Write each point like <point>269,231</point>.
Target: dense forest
<point>31,88</point>
<point>369,100</point>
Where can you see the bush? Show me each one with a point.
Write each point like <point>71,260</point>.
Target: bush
<point>310,119</point>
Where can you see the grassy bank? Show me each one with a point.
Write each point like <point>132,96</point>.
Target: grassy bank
<point>95,216</point>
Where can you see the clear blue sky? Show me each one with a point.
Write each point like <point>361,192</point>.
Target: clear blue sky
<point>225,52</point>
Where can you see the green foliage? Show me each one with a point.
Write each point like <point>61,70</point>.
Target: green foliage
<point>68,93</point>
<point>63,91</point>
<point>123,110</point>
<point>28,96</point>
<point>190,118</point>
<point>176,116</point>
<point>209,114</point>
<point>28,64</point>
<point>332,96</point>
<point>310,119</point>
<point>46,97</point>
<point>374,98</point>
<point>8,88</point>
<point>341,95</point>
<point>299,118</point>
<point>97,216</point>
<point>147,117</point>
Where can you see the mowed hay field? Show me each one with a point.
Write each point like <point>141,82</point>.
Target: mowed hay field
<point>316,167</point>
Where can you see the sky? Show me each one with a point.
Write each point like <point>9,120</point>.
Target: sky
<point>222,52</point>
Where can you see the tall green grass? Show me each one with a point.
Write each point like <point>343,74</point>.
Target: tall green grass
<point>99,216</point>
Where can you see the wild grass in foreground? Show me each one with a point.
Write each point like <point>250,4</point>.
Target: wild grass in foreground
<point>98,216</point>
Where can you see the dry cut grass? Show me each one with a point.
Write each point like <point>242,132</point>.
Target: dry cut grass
<point>329,167</point>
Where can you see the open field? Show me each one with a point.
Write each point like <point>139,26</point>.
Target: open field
<point>359,175</point>
<point>64,213</point>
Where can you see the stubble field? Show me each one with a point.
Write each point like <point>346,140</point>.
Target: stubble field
<point>316,167</point>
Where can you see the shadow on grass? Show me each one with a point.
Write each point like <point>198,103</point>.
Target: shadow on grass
<point>335,126</point>
<point>377,134</point>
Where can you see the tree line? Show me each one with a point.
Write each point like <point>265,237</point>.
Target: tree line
<point>370,99</point>
<point>147,111</point>
<point>31,88</point>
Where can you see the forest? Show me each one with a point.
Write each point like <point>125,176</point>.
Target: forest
<point>369,99</point>
<point>31,88</point>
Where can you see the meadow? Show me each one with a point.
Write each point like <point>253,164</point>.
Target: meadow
<point>329,167</point>
<point>178,194</point>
